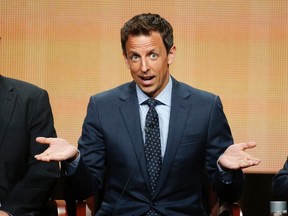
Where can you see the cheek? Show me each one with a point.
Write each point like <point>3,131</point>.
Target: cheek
<point>133,74</point>
<point>156,66</point>
<point>134,67</point>
<point>133,71</point>
<point>160,68</point>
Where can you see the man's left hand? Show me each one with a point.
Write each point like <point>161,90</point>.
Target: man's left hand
<point>235,157</point>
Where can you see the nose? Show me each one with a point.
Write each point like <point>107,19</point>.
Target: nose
<point>144,65</point>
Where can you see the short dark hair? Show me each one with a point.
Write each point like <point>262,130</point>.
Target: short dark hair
<point>145,24</point>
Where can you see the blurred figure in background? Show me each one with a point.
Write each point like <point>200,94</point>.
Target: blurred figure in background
<point>280,183</point>
<point>25,183</point>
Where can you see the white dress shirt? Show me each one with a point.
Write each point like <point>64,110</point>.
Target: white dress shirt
<point>163,111</point>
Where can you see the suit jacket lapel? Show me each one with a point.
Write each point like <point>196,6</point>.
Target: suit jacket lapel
<point>179,111</point>
<point>7,102</point>
<point>129,110</point>
<point>180,108</point>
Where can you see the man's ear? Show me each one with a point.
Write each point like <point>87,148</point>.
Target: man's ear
<point>171,55</point>
<point>126,60</point>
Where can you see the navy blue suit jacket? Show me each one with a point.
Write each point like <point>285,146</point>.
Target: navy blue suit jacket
<point>111,147</point>
<point>25,113</point>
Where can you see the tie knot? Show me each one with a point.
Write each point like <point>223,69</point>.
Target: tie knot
<point>152,102</point>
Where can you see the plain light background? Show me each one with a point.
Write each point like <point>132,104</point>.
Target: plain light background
<point>236,49</point>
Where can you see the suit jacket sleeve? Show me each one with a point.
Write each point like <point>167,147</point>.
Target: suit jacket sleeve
<point>219,137</point>
<point>30,194</point>
<point>91,165</point>
<point>280,183</point>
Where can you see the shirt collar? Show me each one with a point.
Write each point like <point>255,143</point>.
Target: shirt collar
<point>164,96</point>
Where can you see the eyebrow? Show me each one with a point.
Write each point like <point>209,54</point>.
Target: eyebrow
<point>149,52</point>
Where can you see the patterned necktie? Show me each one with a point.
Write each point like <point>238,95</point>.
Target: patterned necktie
<point>152,144</point>
<point>152,147</point>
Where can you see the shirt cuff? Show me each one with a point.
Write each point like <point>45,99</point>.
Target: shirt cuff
<point>226,175</point>
<point>69,168</point>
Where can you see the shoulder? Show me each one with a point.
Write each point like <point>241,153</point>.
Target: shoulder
<point>189,91</point>
<point>21,88</point>
<point>19,84</point>
<point>121,91</point>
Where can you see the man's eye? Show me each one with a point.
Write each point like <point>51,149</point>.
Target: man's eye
<point>153,56</point>
<point>134,58</point>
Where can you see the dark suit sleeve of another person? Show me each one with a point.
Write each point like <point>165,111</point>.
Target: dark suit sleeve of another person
<point>26,183</point>
<point>280,183</point>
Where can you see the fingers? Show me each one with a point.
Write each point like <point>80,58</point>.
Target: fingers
<point>58,150</point>
<point>47,154</point>
<point>247,145</point>
<point>254,161</point>
<point>235,156</point>
<point>249,163</point>
<point>44,156</point>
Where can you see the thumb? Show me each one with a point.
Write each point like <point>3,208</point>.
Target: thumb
<point>249,145</point>
<point>43,140</point>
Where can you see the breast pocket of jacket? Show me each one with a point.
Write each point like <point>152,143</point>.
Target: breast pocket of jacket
<point>190,147</point>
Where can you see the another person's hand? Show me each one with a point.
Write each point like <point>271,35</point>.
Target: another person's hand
<point>58,150</point>
<point>235,156</point>
<point>3,213</point>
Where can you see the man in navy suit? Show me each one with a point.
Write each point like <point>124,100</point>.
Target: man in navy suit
<point>25,183</point>
<point>195,136</point>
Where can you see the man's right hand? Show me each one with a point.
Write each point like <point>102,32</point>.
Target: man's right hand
<point>58,150</point>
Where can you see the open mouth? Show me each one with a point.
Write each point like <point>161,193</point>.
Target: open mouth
<point>147,78</point>
<point>147,81</point>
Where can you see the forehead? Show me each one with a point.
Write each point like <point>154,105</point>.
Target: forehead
<point>135,42</point>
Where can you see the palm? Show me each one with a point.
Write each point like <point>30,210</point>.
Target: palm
<point>235,156</point>
<point>58,150</point>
